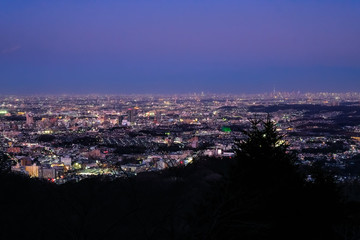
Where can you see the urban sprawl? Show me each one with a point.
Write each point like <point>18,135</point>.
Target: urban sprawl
<point>69,138</point>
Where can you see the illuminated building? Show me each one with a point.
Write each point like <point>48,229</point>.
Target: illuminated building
<point>33,170</point>
<point>47,173</point>
<point>29,119</point>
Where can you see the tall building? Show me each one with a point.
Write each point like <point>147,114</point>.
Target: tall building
<point>29,119</point>
<point>131,114</point>
<point>158,117</point>
<point>120,118</point>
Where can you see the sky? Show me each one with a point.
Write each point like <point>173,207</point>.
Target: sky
<point>141,46</point>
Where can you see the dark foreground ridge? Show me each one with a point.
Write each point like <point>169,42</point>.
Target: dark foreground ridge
<point>261,194</point>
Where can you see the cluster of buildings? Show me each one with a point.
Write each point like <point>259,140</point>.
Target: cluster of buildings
<point>62,138</point>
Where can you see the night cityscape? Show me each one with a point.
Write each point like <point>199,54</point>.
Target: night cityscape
<point>180,120</point>
<point>66,138</point>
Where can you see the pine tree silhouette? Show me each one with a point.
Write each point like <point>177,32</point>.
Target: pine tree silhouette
<point>266,195</point>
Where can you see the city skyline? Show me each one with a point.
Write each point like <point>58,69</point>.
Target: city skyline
<point>176,48</point>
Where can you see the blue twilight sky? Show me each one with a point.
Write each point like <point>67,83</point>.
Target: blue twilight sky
<point>172,46</point>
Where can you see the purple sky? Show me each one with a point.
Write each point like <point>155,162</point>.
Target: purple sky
<point>178,46</point>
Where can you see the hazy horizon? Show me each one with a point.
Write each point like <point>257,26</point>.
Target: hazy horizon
<point>201,93</point>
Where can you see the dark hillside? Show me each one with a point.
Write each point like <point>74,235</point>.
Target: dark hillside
<point>261,194</point>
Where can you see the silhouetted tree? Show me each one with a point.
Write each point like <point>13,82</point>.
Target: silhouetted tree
<point>266,195</point>
<point>264,155</point>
